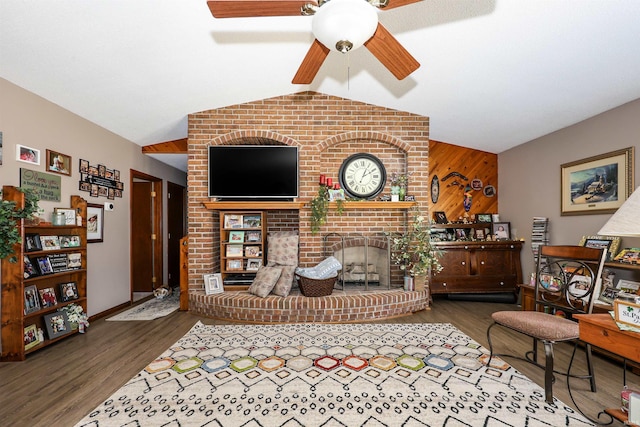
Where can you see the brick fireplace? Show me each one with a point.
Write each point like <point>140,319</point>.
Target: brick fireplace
<point>327,130</point>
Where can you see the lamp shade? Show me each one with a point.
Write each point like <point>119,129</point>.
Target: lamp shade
<point>343,25</point>
<point>626,220</point>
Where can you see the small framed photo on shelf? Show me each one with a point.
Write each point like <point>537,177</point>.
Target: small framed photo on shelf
<point>44,265</point>
<point>501,230</point>
<point>32,242</point>
<point>234,251</point>
<point>440,217</point>
<point>461,234</point>
<point>483,217</point>
<point>58,163</point>
<point>336,195</point>
<point>68,291</point>
<point>29,269</point>
<point>48,297</point>
<point>232,221</point>
<point>236,236</point>
<point>213,284</point>
<point>251,221</point>
<point>253,236</point>
<point>479,234</point>
<point>31,299</point>
<point>50,243</point>
<point>252,251</point>
<point>629,256</point>
<point>69,215</point>
<point>31,338</point>
<point>74,260</point>
<point>254,264</point>
<point>69,241</point>
<point>234,264</point>
<point>57,324</point>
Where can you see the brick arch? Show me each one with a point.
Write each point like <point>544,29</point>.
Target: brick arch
<point>370,135</point>
<point>254,137</point>
<point>355,241</point>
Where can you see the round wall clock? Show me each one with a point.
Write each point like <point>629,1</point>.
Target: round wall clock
<point>362,175</point>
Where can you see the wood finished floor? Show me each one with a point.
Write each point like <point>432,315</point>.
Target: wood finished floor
<point>59,385</point>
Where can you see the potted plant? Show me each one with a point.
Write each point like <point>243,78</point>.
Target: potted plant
<point>9,232</point>
<point>398,183</point>
<point>413,250</point>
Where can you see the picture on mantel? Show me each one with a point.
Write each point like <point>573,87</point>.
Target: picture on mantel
<point>100,181</point>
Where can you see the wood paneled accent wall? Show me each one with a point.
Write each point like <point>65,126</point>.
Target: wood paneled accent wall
<point>445,158</point>
<point>326,129</point>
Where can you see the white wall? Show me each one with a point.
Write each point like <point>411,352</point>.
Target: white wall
<point>29,120</point>
<point>529,176</point>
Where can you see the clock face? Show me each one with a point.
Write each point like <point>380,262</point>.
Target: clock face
<point>362,175</point>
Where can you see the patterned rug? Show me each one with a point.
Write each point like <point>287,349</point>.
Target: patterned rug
<point>329,375</point>
<point>149,310</point>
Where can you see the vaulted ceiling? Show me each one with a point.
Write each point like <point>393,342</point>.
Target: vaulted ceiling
<point>494,73</point>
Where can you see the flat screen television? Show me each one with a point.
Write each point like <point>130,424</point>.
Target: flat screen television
<point>253,172</point>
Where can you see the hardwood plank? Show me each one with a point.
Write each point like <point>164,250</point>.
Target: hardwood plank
<point>63,383</point>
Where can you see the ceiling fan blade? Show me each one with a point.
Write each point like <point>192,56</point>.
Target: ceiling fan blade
<point>397,3</point>
<point>311,63</point>
<point>251,8</point>
<point>391,53</point>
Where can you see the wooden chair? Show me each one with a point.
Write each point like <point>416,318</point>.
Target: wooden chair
<point>568,280</point>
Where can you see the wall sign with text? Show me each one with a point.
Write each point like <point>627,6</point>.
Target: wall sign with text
<point>99,181</point>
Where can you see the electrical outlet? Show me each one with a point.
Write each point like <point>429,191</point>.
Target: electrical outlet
<point>108,206</point>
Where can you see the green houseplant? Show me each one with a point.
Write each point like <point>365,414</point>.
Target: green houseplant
<point>413,250</point>
<point>320,208</point>
<point>9,232</point>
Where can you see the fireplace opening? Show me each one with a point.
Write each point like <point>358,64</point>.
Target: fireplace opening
<point>365,259</point>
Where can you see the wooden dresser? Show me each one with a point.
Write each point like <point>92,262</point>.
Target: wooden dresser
<point>478,267</point>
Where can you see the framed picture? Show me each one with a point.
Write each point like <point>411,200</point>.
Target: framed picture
<point>68,291</point>
<point>440,217</point>
<point>336,195</point>
<point>461,234</point>
<point>213,284</point>
<point>628,286</point>
<point>44,265</point>
<point>58,163</point>
<point>236,236</point>
<point>29,269</point>
<point>252,251</point>
<point>31,338</point>
<point>502,230</point>
<point>57,324</point>
<point>74,260</point>
<point>597,185</point>
<point>251,221</point>
<point>49,243</point>
<point>254,264</point>
<point>69,215</point>
<point>234,264</point>
<point>480,234</point>
<point>610,243</point>
<point>95,223</point>
<point>27,154</point>
<point>234,251</point>
<point>48,297</point>
<point>70,241</point>
<point>32,242</point>
<point>629,255</point>
<point>31,299</point>
<point>232,221</point>
<point>253,236</point>
<point>84,166</point>
<point>483,217</point>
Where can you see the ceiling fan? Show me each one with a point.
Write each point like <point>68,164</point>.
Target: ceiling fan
<point>340,25</point>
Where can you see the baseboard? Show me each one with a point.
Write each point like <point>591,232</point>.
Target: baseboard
<point>506,297</point>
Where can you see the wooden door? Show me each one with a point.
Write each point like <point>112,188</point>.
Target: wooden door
<point>175,231</point>
<point>142,267</point>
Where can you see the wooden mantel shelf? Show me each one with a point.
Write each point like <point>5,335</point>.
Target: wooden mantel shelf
<point>364,204</point>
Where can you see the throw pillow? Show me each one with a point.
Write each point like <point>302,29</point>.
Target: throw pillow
<point>285,282</point>
<point>283,248</point>
<point>265,280</point>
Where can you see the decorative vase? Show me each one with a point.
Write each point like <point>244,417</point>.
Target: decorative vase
<point>402,193</point>
<point>408,283</point>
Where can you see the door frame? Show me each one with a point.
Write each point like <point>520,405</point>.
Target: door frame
<point>158,255</point>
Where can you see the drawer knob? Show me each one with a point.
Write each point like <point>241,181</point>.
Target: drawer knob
<point>481,262</point>
<point>463,263</point>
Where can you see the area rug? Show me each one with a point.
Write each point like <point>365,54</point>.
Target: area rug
<point>329,375</point>
<point>149,310</point>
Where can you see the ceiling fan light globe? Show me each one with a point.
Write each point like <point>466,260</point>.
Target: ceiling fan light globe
<point>340,21</point>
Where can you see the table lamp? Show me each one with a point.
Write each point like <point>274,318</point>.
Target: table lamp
<point>626,220</point>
